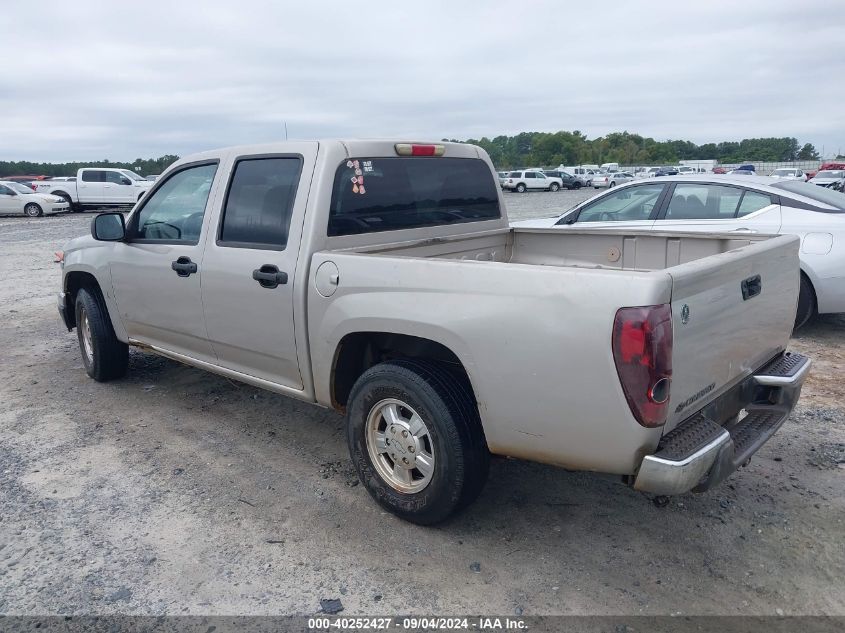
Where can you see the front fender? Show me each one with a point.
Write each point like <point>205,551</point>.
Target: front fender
<point>99,270</point>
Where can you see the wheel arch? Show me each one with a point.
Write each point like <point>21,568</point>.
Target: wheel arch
<point>74,281</point>
<point>358,351</point>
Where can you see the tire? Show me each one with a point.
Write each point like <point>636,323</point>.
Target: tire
<point>612,184</point>
<point>451,438</point>
<point>103,355</point>
<point>520,188</point>
<point>554,187</point>
<point>806,302</point>
<point>576,185</point>
<point>66,198</point>
<point>33,210</point>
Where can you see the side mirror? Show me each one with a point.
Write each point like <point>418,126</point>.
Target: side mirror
<point>108,227</point>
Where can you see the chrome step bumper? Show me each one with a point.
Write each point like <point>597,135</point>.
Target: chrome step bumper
<point>699,453</point>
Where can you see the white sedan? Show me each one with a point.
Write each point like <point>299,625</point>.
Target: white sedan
<point>18,198</point>
<point>732,204</point>
<point>788,173</point>
<point>611,179</point>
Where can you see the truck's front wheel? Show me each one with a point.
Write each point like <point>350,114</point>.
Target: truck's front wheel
<point>105,357</point>
<point>416,440</point>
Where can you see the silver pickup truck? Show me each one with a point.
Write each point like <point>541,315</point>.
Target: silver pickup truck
<point>382,280</point>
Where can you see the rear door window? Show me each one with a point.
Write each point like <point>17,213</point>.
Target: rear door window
<point>393,193</point>
<point>93,175</point>
<point>703,202</point>
<point>259,203</point>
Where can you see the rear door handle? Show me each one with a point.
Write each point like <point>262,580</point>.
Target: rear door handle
<point>184,267</point>
<point>269,276</point>
<point>744,230</point>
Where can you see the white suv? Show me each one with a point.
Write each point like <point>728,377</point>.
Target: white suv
<point>522,181</point>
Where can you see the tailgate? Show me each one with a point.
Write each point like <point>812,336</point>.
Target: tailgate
<point>731,313</point>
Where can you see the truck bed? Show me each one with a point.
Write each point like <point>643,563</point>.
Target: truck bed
<point>582,248</point>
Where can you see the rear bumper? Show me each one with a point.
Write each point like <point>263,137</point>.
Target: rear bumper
<point>700,453</point>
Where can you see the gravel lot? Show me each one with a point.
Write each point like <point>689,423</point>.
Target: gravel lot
<point>177,491</point>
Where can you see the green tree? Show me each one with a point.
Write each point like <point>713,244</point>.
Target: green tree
<point>808,152</point>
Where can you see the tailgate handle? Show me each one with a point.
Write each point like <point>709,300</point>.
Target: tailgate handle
<point>751,287</point>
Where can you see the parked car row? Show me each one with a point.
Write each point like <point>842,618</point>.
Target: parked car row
<point>91,188</point>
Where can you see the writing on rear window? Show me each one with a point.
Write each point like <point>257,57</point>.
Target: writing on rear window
<point>410,192</point>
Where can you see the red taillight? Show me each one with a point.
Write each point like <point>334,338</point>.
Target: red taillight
<point>33,187</point>
<point>642,351</point>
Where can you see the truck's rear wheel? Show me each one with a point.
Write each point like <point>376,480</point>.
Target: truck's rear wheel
<point>105,357</point>
<point>416,440</point>
<point>806,302</point>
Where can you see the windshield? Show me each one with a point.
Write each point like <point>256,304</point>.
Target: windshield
<point>19,187</point>
<point>829,174</point>
<point>131,174</point>
<point>808,190</point>
<point>782,172</point>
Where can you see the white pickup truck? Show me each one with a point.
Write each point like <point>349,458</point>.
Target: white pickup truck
<point>382,280</point>
<point>97,187</point>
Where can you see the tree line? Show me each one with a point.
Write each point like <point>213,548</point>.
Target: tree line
<point>528,149</point>
<point>574,148</point>
<point>143,166</point>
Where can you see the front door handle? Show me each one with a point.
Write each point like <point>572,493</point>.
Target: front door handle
<point>744,230</point>
<point>269,276</point>
<point>184,267</point>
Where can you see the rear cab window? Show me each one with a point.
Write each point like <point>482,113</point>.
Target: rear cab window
<point>393,193</point>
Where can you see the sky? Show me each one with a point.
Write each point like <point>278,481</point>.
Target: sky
<point>87,80</point>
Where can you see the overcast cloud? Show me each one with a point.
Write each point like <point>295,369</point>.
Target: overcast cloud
<point>85,80</point>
